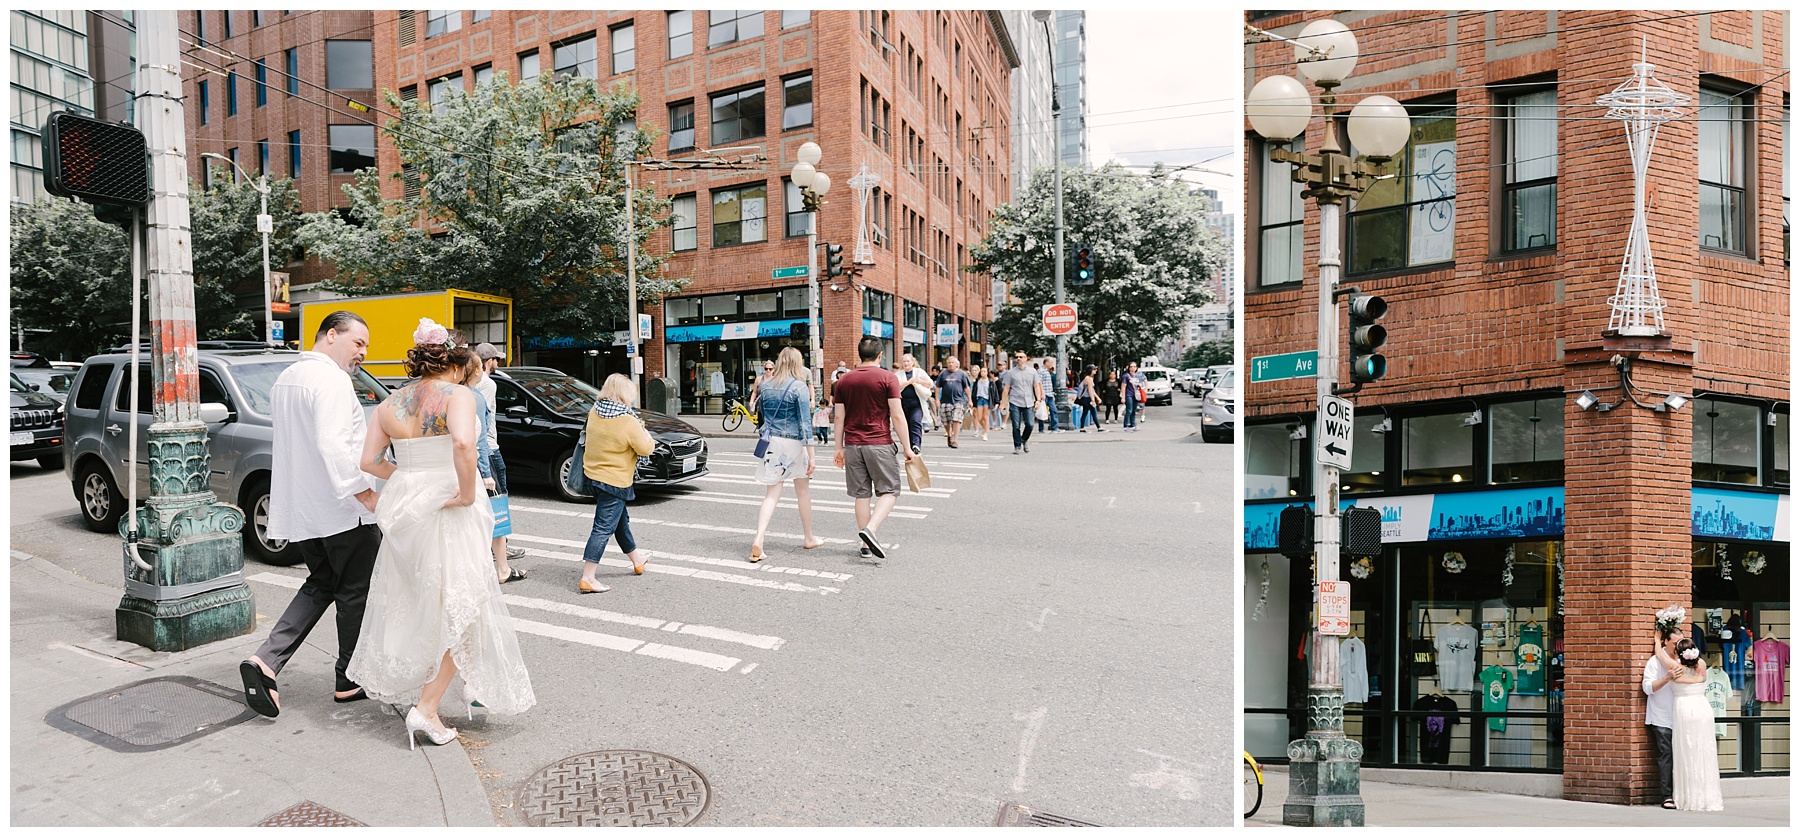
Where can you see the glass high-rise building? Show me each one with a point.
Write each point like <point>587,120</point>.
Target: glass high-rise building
<point>1071,85</point>
<point>64,59</point>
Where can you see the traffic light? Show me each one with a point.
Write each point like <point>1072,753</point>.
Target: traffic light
<point>1084,266</point>
<point>99,162</point>
<point>1366,365</point>
<point>834,260</point>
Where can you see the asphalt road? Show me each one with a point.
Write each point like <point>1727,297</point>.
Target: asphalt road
<point>1052,629</point>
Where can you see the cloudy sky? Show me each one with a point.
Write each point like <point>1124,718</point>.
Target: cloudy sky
<point>1164,86</point>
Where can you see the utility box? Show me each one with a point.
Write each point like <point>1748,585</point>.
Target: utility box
<point>661,396</point>
<point>393,317</point>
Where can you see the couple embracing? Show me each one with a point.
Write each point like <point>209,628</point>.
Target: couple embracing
<point>1680,719</point>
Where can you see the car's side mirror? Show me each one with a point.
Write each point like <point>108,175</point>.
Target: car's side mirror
<point>518,411</point>
<point>214,413</point>
<point>35,388</point>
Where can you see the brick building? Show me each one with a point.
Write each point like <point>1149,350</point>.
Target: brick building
<point>919,98</point>
<point>270,90</point>
<point>1552,522</point>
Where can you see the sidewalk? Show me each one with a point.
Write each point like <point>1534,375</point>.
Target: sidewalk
<point>350,759</point>
<point>1748,802</point>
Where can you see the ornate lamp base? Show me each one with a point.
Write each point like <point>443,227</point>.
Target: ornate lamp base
<point>1324,768</point>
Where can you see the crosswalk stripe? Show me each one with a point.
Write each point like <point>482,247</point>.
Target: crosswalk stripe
<point>767,643</point>
<point>739,500</point>
<point>677,524</point>
<point>696,559</point>
<point>953,461</point>
<point>828,469</point>
<point>706,575</point>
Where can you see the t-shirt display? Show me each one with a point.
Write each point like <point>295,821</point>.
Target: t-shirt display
<point>1734,653</point>
<point>1770,656</point>
<point>1353,665</point>
<point>1496,685</point>
<point>1718,693</point>
<point>1530,660</point>
<point>1455,645</point>
<point>1434,727</point>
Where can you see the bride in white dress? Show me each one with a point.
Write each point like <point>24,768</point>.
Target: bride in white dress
<point>434,604</point>
<point>1696,751</point>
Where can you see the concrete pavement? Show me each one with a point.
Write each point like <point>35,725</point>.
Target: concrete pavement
<point>1400,802</point>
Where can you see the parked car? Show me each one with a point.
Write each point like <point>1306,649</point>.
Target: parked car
<point>541,412</point>
<point>45,380</point>
<point>235,402</point>
<point>1213,374</point>
<point>37,425</point>
<point>29,360</point>
<point>1191,379</point>
<point>1158,385</point>
<point>1218,408</point>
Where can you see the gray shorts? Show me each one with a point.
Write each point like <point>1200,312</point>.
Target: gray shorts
<point>874,467</point>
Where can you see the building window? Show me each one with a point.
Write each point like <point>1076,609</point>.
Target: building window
<point>352,148</point>
<point>1437,450</point>
<point>1525,441</point>
<point>479,15</point>
<point>484,74</point>
<point>444,89</point>
<point>1722,152</point>
<point>1283,237</point>
<point>226,19</point>
<point>1530,173</point>
<point>200,27</point>
<point>683,234</point>
<point>1368,457</point>
<point>1727,441</point>
<point>577,58</point>
<point>726,27</point>
<point>797,216</point>
<point>624,48</point>
<point>1409,220</point>
<point>294,154</point>
<point>230,90</point>
<point>291,59</point>
<point>681,126</point>
<point>262,83</point>
<point>350,65</point>
<point>442,22</point>
<point>528,65</point>
<point>737,215</point>
<point>737,115</point>
<point>681,34</point>
<point>256,19</point>
<point>1779,447</point>
<point>791,18</point>
<point>262,156</point>
<point>796,102</point>
<point>205,102</point>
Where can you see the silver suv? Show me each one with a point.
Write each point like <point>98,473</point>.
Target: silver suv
<point>234,401</point>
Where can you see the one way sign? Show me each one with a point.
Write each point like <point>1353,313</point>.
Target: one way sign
<point>1335,422</point>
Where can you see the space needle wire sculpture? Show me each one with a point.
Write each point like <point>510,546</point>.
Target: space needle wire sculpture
<point>1643,103</point>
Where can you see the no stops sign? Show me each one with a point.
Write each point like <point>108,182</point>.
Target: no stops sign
<point>1060,318</point>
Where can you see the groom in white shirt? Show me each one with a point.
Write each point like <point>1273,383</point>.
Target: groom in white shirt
<point>321,503</point>
<point>1659,711</point>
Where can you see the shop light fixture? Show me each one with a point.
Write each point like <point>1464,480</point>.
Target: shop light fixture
<point>1586,400</point>
<point>1672,403</point>
<point>1771,420</point>
<point>1386,424</point>
<point>1298,432</point>
<point>1472,419</point>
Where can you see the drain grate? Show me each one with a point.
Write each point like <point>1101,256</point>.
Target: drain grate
<point>151,714</point>
<point>1014,814</point>
<point>615,787</point>
<point>309,815</point>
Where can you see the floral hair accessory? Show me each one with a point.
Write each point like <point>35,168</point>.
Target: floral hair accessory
<point>1691,654</point>
<point>429,332</point>
<point>1670,618</point>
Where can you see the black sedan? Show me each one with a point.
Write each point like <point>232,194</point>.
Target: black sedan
<point>541,412</point>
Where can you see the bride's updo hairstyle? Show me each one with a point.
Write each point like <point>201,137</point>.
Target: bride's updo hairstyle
<point>436,349</point>
<point>1687,654</point>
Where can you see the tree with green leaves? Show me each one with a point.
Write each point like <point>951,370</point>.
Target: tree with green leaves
<point>1153,255</point>
<point>228,259</point>
<point>512,190</point>
<point>1211,353</point>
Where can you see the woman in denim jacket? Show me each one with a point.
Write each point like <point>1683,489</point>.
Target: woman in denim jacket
<point>786,400</point>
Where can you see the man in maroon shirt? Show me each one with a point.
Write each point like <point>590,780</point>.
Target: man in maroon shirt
<point>866,412</point>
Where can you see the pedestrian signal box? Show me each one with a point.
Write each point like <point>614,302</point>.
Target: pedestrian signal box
<point>98,162</point>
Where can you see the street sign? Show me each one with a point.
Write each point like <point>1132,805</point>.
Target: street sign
<point>948,334</point>
<point>1334,608</point>
<point>1336,418</point>
<point>788,272</point>
<point>643,326</point>
<point>1279,367</point>
<point>275,332</point>
<point>1060,318</point>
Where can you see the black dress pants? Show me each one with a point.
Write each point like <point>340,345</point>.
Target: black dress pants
<point>339,568</point>
<point>1662,738</point>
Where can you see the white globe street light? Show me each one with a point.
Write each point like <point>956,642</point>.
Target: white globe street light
<point>1279,108</point>
<point>802,174</point>
<point>1379,127</point>
<point>1325,52</point>
<point>813,184</point>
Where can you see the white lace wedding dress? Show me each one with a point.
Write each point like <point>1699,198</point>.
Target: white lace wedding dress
<point>1696,752</point>
<point>435,589</point>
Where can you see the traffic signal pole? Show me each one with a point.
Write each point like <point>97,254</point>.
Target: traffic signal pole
<point>193,591</point>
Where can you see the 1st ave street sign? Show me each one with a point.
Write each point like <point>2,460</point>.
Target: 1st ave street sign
<point>1279,367</point>
<point>1335,421</point>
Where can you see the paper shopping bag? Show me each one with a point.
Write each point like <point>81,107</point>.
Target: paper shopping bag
<point>918,477</point>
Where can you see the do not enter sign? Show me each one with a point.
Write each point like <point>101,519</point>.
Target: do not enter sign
<point>1059,318</point>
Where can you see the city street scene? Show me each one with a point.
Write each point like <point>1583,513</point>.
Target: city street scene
<point>1516,526</point>
<point>710,417</point>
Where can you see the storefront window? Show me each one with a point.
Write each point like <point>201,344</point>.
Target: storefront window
<point>1437,449</point>
<point>878,305</point>
<point>682,311</point>
<point>1525,441</point>
<point>1274,465</point>
<point>761,304</point>
<point>1778,474</point>
<point>718,309</point>
<point>1739,606</point>
<point>1727,442</point>
<point>1368,455</point>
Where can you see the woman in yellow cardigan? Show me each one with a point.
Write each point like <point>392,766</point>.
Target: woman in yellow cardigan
<point>615,439</point>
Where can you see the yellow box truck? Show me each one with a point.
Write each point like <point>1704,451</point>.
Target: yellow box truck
<point>393,317</point>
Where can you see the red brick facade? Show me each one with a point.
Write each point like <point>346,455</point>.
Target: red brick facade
<point>1493,323</point>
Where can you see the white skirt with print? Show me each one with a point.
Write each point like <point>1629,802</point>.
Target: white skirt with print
<point>785,460</point>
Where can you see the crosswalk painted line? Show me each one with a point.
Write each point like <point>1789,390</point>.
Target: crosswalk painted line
<point>742,500</point>
<point>704,575</point>
<point>831,490</point>
<point>767,643</point>
<point>660,555</point>
<point>825,469</point>
<point>677,524</point>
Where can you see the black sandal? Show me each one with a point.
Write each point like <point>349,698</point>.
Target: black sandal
<point>259,689</point>
<point>516,575</point>
<point>1669,804</point>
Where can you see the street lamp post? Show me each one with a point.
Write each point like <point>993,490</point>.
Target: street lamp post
<point>813,185</point>
<point>1059,393</point>
<point>1324,781</point>
<point>264,225</point>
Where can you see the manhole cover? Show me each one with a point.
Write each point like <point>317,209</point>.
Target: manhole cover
<point>1012,813</point>
<point>151,714</point>
<point>309,815</point>
<point>615,787</point>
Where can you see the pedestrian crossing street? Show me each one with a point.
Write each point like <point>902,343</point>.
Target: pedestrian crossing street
<point>694,507</point>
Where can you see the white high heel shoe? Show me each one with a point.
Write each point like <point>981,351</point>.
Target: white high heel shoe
<point>416,722</point>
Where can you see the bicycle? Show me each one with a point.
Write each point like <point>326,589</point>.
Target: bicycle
<point>1252,771</point>
<point>736,412</point>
